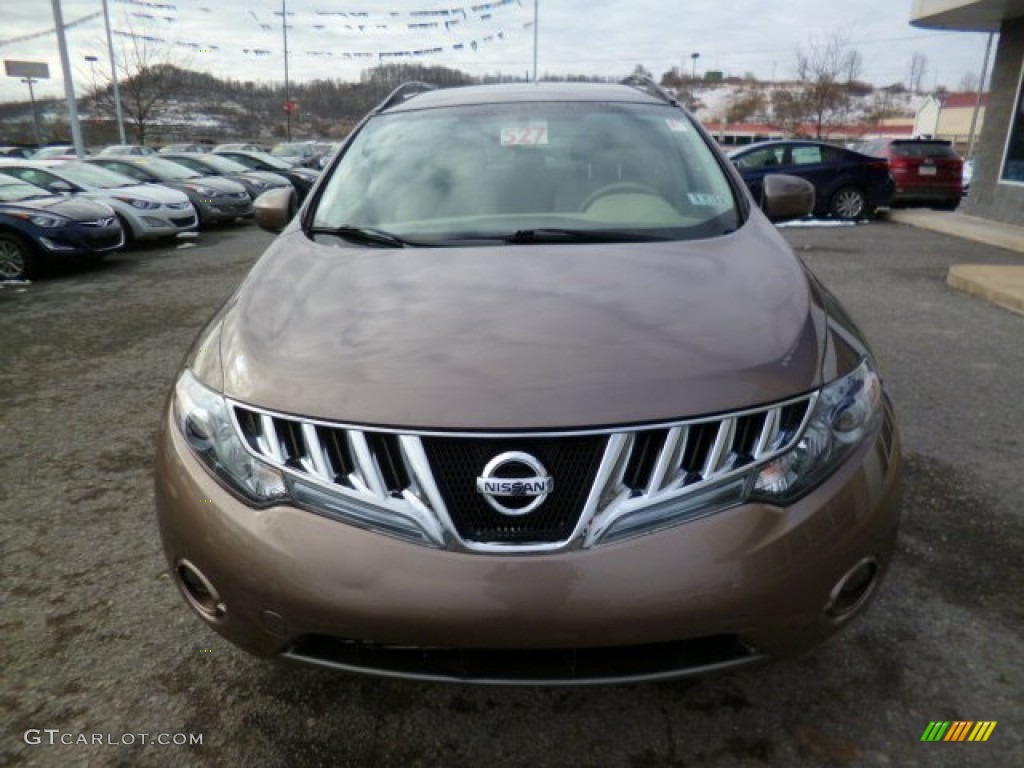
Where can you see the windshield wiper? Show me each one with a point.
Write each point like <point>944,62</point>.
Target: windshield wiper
<point>549,234</point>
<point>367,235</point>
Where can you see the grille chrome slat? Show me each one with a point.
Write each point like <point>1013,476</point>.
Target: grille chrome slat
<point>368,471</point>
<point>667,467</point>
<point>317,459</point>
<point>268,440</point>
<point>618,472</point>
<point>720,449</point>
<point>769,433</point>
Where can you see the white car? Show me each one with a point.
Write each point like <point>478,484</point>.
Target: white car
<point>146,211</point>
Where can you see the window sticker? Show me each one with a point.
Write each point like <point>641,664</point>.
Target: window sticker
<point>679,126</point>
<point>532,134</point>
<point>707,200</point>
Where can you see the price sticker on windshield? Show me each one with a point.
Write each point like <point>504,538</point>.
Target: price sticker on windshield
<point>533,134</point>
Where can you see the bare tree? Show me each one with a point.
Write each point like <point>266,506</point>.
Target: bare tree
<point>148,76</point>
<point>826,69</point>
<point>918,70</point>
<point>744,104</point>
<point>969,82</point>
<point>883,106</point>
<point>788,110</point>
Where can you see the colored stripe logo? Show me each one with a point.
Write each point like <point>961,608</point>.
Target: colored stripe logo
<point>958,730</point>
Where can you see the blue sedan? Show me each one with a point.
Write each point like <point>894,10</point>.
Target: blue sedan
<point>847,184</point>
<point>35,224</point>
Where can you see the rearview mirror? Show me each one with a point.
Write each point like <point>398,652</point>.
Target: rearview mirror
<point>275,208</point>
<point>786,197</point>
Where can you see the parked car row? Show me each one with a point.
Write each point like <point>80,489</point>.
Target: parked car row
<point>138,196</point>
<point>924,170</point>
<point>852,183</point>
<point>308,154</point>
<point>35,224</point>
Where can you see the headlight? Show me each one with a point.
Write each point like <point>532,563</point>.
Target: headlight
<point>204,421</point>
<point>203,418</point>
<point>42,220</point>
<point>845,411</point>
<point>258,183</point>
<point>134,202</point>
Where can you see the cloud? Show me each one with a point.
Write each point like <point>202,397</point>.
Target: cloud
<point>575,37</point>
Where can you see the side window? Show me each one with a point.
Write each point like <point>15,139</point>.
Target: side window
<point>39,178</point>
<point>128,170</point>
<point>807,156</point>
<point>831,154</point>
<point>768,157</point>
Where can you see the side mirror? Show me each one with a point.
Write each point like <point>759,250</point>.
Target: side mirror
<point>60,188</point>
<point>786,197</point>
<point>275,208</point>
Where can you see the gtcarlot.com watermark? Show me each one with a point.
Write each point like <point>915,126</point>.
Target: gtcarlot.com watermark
<point>55,736</point>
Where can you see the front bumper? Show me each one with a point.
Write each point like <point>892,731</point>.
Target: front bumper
<point>220,209</point>
<point>755,577</point>
<point>76,240</point>
<point>162,222</point>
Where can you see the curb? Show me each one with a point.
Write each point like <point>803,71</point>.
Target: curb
<point>994,233</point>
<point>1003,286</point>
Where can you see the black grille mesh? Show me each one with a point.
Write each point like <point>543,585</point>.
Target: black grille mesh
<point>457,462</point>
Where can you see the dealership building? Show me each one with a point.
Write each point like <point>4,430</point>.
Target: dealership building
<point>997,189</point>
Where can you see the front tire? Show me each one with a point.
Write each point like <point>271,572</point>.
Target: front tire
<point>18,260</point>
<point>848,204</point>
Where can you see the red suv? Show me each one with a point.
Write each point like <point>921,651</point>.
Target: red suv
<point>925,170</point>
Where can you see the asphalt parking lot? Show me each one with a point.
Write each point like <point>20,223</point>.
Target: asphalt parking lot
<point>96,640</point>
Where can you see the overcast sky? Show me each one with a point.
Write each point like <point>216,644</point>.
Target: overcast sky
<point>243,38</point>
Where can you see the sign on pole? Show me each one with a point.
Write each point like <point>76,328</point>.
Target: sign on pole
<point>37,69</point>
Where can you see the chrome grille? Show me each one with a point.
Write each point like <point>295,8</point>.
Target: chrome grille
<point>105,222</point>
<point>573,461</point>
<point>609,478</point>
<point>178,206</point>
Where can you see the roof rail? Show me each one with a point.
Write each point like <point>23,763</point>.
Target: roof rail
<point>651,88</point>
<point>401,93</point>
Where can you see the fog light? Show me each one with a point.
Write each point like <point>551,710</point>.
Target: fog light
<point>853,589</point>
<point>198,590</point>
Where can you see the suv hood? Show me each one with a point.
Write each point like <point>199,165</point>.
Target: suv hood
<point>523,337</point>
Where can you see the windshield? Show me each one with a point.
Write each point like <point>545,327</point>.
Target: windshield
<point>88,175</point>
<point>501,170</point>
<point>165,170</point>
<point>46,152</point>
<point>289,150</point>
<point>256,160</point>
<point>15,191</point>
<point>922,149</point>
<point>221,164</point>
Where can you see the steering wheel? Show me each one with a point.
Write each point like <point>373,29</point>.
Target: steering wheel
<point>618,188</point>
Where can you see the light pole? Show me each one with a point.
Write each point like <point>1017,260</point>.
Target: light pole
<point>113,74</point>
<point>92,68</point>
<point>694,57</point>
<point>29,81</point>
<point>977,98</point>
<point>69,84</point>
<point>535,3</point>
<point>287,88</point>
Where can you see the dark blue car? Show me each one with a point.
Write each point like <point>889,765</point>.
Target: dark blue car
<point>35,224</point>
<point>847,184</point>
